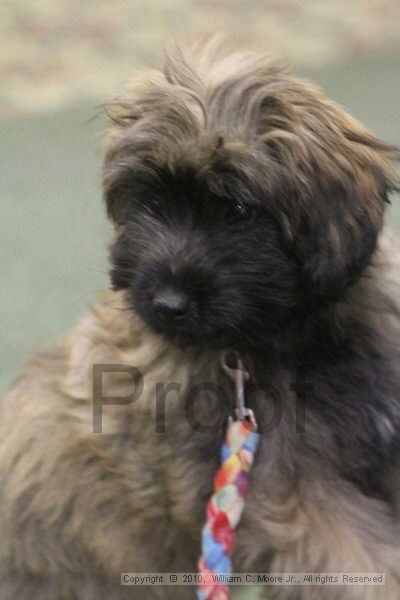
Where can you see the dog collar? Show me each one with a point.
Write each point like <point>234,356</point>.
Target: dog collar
<point>225,507</point>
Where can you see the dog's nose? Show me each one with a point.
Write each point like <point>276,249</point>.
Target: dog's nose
<point>171,303</point>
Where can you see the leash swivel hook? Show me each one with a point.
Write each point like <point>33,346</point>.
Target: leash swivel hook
<point>239,375</point>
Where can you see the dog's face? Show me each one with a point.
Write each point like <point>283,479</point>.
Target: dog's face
<point>242,197</point>
<point>202,266</point>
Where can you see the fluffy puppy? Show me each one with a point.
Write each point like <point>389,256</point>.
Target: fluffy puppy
<point>248,212</point>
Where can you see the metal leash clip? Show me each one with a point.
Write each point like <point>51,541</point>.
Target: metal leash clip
<point>239,375</point>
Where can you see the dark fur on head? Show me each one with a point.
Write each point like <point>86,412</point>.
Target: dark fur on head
<point>248,211</point>
<point>243,187</point>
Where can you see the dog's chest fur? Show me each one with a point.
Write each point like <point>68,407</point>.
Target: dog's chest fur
<point>303,475</point>
<point>133,498</point>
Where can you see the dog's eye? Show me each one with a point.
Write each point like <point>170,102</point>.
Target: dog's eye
<point>238,210</point>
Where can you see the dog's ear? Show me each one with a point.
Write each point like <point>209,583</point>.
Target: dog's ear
<point>339,224</point>
<point>338,180</point>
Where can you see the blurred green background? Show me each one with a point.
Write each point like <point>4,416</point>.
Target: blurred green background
<point>61,60</point>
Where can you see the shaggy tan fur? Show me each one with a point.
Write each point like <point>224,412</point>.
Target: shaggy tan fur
<point>77,508</point>
<point>77,503</point>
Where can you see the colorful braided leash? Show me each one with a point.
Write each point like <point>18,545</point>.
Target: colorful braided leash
<point>225,506</point>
